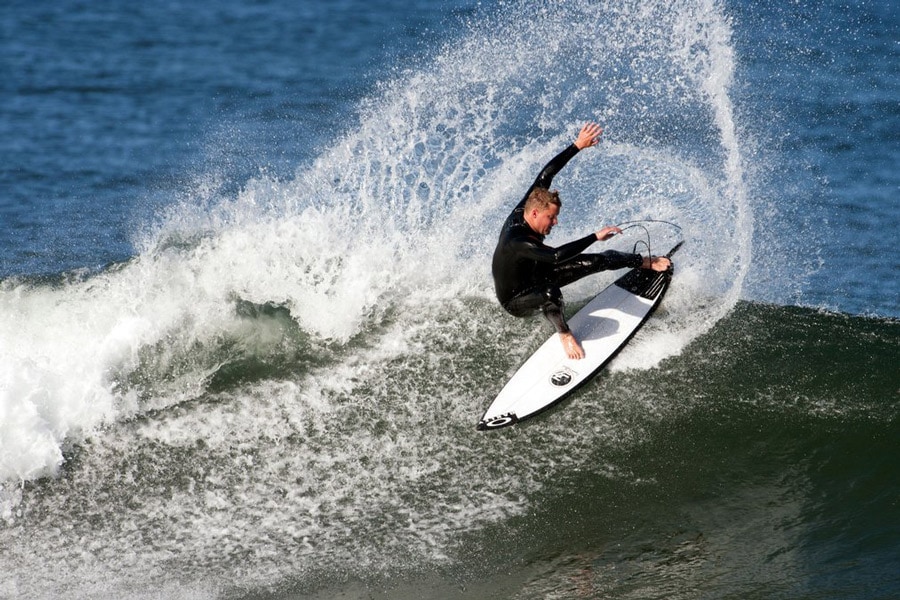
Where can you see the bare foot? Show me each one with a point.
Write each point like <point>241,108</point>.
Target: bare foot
<point>571,346</point>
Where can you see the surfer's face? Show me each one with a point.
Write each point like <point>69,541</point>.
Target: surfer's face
<point>542,221</point>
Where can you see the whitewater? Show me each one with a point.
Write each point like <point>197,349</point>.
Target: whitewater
<point>391,220</point>
<point>283,382</point>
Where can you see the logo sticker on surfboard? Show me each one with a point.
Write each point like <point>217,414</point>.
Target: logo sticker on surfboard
<point>501,421</point>
<point>562,378</point>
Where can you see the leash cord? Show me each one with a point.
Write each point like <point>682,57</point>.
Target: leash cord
<point>639,223</point>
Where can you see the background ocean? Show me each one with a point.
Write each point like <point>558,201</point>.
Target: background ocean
<point>247,324</point>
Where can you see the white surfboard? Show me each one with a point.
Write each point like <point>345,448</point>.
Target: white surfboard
<point>603,326</point>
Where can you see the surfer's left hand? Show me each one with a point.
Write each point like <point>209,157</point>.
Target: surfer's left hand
<point>607,232</point>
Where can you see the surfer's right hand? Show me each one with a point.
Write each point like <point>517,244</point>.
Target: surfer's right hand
<point>588,136</point>
<point>657,263</point>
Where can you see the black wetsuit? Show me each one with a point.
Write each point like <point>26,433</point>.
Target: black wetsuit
<point>528,274</point>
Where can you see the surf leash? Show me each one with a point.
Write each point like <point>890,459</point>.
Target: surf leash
<point>639,223</point>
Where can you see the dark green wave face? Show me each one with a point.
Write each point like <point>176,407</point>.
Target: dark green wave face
<point>761,463</point>
<point>754,463</point>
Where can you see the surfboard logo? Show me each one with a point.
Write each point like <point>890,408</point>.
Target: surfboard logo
<point>561,378</point>
<point>501,421</point>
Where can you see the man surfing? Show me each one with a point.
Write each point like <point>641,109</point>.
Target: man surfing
<point>528,274</point>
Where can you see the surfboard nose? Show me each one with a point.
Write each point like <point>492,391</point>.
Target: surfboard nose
<point>497,422</point>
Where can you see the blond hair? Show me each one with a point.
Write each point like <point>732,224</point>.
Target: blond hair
<point>541,199</point>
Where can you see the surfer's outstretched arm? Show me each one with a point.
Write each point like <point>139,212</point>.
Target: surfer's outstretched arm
<point>587,137</point>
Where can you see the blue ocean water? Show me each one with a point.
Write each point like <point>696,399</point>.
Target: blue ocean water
<point>110,111</point>
<point>247,324</point>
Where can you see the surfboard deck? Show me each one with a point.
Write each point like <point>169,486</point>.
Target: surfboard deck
<point>604,325</point>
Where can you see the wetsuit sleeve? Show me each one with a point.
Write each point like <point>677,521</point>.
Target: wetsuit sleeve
<point>613,259</point>
<point>546,254</point>
<point>545,177</point>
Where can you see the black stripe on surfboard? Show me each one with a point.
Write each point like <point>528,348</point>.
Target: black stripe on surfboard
<point>644,282</point>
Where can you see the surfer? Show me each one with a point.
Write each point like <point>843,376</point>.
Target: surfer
<point>528,274</point>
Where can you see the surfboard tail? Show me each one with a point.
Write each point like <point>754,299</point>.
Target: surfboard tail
<point>644,282</point>
<point>674,249</point>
